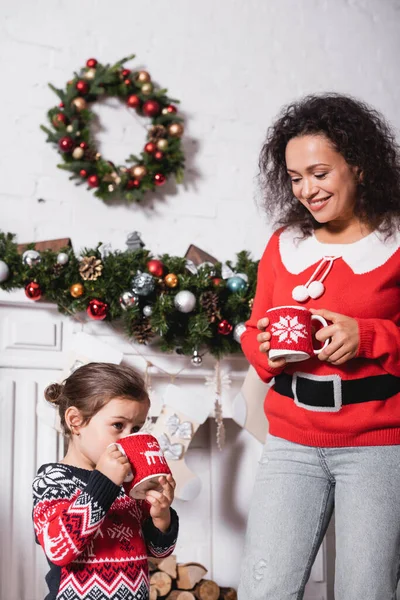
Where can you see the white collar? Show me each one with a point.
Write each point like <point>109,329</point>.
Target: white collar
<point>362,256</point>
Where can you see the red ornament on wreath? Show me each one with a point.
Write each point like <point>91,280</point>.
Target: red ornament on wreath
<point>133,101</point>
<point>33,291</point>
<point>59,119</point>
<point>82,87</point>
<point>65,144</point>
<point>159,179</point>
<point>151,108</point>
<point>140,94</point>
<point>224,327</point>
<point>132,184</point>
<point>155,267</point>
<point>93,181</point>
<point>97,309</point>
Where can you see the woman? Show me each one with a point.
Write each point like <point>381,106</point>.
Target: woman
<point>331,176</point>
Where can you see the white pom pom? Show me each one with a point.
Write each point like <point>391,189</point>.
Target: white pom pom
<point>300,293</point>
<point>316,289</point>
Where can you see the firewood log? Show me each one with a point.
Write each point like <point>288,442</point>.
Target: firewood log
<point>180,595</point>
<point>206,590</point>
<point>153,593</point>
<point>227,593</point>
<point>189,574</point>
<point>161,582</point>
<point>167,565</point>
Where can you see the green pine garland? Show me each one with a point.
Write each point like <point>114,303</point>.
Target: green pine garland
<point>177,330</point>
<point>70,132</point>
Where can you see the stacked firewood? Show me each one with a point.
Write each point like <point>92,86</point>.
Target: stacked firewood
<point>173,581</point>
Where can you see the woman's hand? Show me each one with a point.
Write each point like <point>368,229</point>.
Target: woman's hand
<point>263,338</point>
<point>344,334</point>
<point>161,501</point>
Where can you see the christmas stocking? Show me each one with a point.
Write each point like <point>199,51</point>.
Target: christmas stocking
<point>248,406</point>
<point>179,419</point>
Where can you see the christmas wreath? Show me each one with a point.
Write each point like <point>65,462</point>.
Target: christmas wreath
<point>190,307</point>
<point>162,155</point>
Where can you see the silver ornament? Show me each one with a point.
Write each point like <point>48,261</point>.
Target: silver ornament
<point>134,242</point>
<point>143,284</point>
<point>185,301</point>
<point>4,271</point>
<point>147,310</point>
<point>238,331</point>
<point>31,258</point>
<point>128,299</point>
<point>196,359</point>
<point>62,258</point>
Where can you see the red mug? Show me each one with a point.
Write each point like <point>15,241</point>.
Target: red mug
<point>292,333</point>
<point>147,463</point>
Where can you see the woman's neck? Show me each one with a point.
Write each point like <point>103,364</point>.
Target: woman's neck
<point>342,232</point>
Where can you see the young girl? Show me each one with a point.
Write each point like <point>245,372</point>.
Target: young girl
<point>96,538</point>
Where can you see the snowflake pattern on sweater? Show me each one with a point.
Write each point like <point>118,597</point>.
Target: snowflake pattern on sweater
<point>95,537</point>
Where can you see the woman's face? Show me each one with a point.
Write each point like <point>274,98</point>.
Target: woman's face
<point>321,178</point>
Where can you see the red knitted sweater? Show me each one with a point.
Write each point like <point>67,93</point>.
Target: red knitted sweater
<point>364,283</point>
<point>96,538</point>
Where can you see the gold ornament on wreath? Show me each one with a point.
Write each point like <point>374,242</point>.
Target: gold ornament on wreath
<point>161,156</point>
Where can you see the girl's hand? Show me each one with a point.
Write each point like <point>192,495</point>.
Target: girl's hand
<point>344,334</point>
<point>114,465</point>
<point>264,340</point>
<point>161,501</point>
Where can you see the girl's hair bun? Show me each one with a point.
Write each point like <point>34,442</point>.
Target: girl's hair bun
<point>53,393</point>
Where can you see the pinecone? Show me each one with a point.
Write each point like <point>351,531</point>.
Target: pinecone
<point>141,331</point>
<point>90,154</point>
<point>57,268</point>
<point>90,268</point>
<point>209,301</point>
<point>157,132</point>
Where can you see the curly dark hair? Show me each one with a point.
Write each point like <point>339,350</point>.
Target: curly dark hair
<point>363,138</point>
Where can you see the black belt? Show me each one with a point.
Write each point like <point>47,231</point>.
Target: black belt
<point>329,392</point>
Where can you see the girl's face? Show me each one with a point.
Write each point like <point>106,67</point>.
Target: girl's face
<point>118,418</point>
<point>321,179</point>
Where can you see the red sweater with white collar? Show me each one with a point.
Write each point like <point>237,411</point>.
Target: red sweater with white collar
<point>363,283</point>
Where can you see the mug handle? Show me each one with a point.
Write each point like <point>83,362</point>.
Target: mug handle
<point>325,324</point>
<point>128,478</point>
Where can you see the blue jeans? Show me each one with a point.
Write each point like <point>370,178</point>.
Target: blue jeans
<point>296,490</point>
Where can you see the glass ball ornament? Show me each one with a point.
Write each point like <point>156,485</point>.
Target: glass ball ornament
<point>238,331</point>
<point>147,310</point>
<point>224,327</point>
<point>143,284</point>
<point>62,258</point>
<point>236,284</point>
<point>155,267</point>
<point>97,310</point>
<point>76,290</point>
<point>31,258</point>
<point>196,359</point>
<point>128,299</point>
<point>33,291</point>
<point>171,280</point>
<point>185,301</point>
<point>4,271</point>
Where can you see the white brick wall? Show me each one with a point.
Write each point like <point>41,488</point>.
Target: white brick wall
<point>232,63</point>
